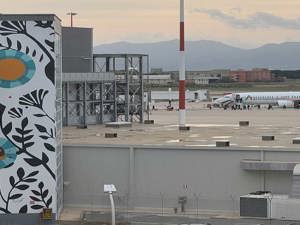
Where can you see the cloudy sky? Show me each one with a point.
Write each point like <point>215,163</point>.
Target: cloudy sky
<point>242,23</point>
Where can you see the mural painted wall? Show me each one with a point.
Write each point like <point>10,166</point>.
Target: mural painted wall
<point>27,117</point>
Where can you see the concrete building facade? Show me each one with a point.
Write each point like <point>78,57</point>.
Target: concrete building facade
<point>77,49</point>
<point>206,77</point>
<point>255,75</point>
<point>202,77</point>
<point>30,117</point>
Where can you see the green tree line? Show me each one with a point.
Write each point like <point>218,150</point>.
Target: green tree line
<point>289,74</point>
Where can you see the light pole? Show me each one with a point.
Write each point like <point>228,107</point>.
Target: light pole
<point>71,14</point>
<point>110,189</point>
<point>270,196</point>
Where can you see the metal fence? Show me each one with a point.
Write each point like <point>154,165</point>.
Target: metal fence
<point>161,203</point>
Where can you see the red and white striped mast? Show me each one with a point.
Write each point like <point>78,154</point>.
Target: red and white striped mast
<point>182,125</point>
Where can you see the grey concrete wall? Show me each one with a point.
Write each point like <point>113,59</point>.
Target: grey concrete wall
<point>88,169</point>
<point>77,49</point>
<point>213,174</point>
<point>156,176</point>
<point>279,182</point>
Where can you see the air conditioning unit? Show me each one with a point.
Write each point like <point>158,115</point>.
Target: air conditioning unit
<point>255,204</point>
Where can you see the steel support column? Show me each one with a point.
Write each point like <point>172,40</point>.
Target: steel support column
<point>101,102</point>
<point>67,103</point>
<point>141,92</point>
<point>114,65</point>
<point>84,105</point>
<point>93,61</point>
<point>107,67</point>
<point>115,103</point>
<point>127,98</point>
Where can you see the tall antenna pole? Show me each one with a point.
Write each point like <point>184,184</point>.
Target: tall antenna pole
<point>71,14</point>
<point>182,125</point>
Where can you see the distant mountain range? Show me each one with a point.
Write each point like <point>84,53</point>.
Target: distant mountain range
<point>206,55</point>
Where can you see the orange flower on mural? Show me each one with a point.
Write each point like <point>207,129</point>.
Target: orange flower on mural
<point>16,68</point>
<point>11,69</point>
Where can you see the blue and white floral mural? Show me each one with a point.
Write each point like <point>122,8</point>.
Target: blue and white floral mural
<point>27,117</point>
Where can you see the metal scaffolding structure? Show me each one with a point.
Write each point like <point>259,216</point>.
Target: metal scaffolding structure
<point>129,70</point>
<point>113,92</point>
<point>89,98</point>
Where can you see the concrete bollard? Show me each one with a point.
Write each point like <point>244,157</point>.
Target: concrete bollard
<point>184,128</point>
<point>244,123</point>
<point>149,122</point>
<point>268,138</point>
<point>111,135</point>
<point>223,143</point>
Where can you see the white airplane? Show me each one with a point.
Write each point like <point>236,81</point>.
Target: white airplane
<point>281,99</point>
